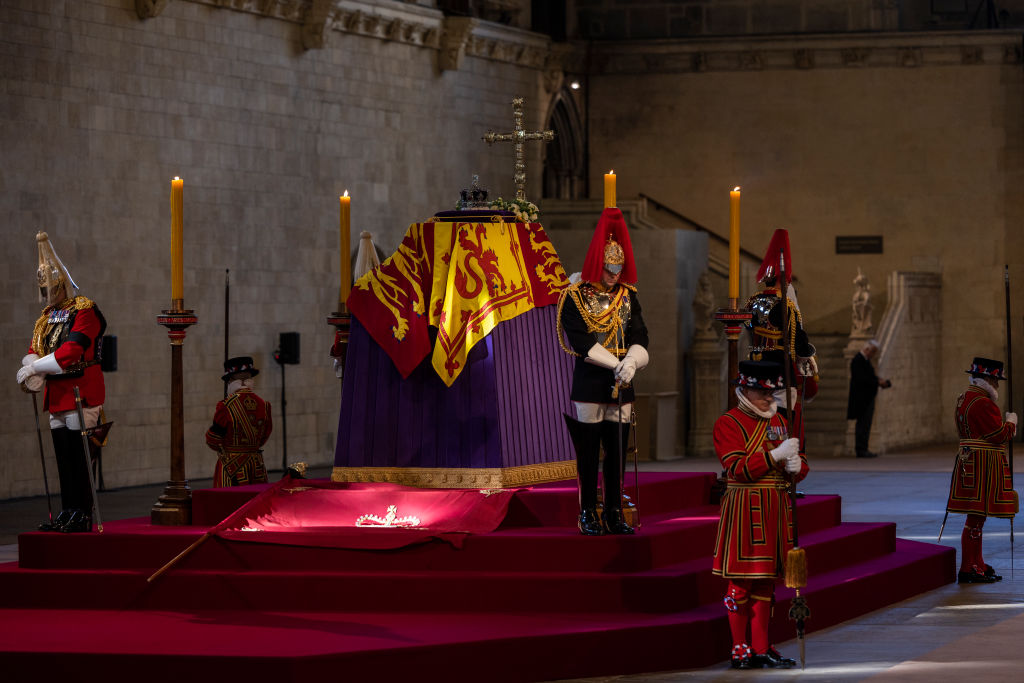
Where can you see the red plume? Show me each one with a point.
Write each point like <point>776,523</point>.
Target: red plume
<point>611,224</point>
<point>770,267</point>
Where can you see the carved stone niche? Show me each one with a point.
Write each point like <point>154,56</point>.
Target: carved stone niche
<point>147,9</point>
<point>316,24</point>
<point>455,34</point>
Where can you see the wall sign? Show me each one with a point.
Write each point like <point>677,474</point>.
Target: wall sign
<point>858,244</point>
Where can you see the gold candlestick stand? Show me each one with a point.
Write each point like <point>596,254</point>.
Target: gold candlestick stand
<point>733,319</point>
<point>174,507</point>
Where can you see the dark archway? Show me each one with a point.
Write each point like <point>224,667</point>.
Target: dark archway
<point>564,164</point>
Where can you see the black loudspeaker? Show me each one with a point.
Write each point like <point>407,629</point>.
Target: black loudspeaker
<point>108,353</point>
<point>288,349</point>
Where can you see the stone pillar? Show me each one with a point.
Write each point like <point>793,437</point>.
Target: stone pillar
<point>708,381</point>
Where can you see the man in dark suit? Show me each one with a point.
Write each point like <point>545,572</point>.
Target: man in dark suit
<point>864,384</point>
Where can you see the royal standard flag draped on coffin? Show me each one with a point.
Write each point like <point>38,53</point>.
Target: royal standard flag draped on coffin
<point>462,278</point>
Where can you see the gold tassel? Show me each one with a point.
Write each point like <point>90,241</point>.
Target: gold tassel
<point>796,568</point>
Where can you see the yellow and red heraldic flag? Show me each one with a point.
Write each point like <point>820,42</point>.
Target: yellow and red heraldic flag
<point>462,278</point>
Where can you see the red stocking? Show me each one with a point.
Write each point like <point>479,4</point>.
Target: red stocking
<point>737,603</point>
<point>762,598</point>
<point>972,528</point>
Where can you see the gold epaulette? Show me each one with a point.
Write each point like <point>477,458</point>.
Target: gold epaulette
<point>81,303</point>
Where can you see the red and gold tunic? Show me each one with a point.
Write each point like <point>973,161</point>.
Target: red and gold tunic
<point>71,331</point>
<point>241,425</point>
<point>982,482</point>
<point>756,527</point>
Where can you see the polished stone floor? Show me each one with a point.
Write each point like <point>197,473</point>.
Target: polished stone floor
<point>952,634</point>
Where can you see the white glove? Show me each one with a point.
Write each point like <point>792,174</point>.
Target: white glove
<point>786,449</point>
<point>47,365</point>
<point>807,367</point>
<point>31,383</point>
<point>636,359</point>
<point>793,464</point>
<point>1012,418</point>
<point>339,368</point>
<point>598,355</point>
<point>625,370</point>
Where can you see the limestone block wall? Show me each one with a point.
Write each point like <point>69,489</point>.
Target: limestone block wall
<point>915,410</point>
<point>916,138</point>
<point>101,109</point>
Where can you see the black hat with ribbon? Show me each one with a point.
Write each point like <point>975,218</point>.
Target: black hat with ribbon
<point>986,367</point>
<point>759,374</point>
<point>234,366</point>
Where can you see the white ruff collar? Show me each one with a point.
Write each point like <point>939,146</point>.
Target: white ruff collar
<point>748,407</point>
<point>981,383</point>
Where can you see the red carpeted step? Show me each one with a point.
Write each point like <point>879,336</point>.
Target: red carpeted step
<point>281,643</point>
<point>672,588</point>
<point>663,540</point>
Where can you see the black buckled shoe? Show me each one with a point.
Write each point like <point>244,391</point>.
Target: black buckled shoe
<point>991,572</point>
<point>59,521</point>
<point>615,523</point>
<point>589,523</point>
<point>773,660</point>
<point>975,577</point>
<point>79,522</point>
<point>744,658</point>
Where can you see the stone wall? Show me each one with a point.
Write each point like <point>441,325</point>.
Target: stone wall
<point>915,138</point>
<point>101,109</point>
<point>915,409</point>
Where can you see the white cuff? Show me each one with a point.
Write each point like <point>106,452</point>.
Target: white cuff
<point>47,365</point>
<point>598,355</point>
<point>640,355</point>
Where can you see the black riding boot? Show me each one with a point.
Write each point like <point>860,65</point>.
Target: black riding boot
<point>75,492</point>
<point>614,453</point>
<point>586,440</point>
<point>64,476</point>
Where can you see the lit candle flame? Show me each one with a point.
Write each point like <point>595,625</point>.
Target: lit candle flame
<point>346,194</point>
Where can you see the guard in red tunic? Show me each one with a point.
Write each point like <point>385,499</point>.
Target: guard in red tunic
<point>982,483</point>
<point>241,425</point>
<point>756,528</point>
<point>65,353</point>
<point>599,314</point>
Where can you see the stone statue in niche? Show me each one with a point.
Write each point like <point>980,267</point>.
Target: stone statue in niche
<point>861,306</point>
<point>704,309</point>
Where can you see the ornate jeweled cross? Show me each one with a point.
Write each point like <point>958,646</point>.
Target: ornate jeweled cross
<point>518,136</point>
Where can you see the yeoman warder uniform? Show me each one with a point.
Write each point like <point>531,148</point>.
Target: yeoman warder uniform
<point>982,482</point>
<point>241,426</point>
<point>755,531</point>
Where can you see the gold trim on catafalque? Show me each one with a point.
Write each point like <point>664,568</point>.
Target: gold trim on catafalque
<point>461,477</point>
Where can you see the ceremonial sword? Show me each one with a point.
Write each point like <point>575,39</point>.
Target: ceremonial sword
<point>88,460</point>
<point>42,458</point>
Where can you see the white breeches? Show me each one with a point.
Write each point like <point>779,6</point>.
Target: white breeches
<point>69,418</point>
<point>591,413</point>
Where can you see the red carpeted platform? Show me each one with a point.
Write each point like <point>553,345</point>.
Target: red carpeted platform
<point>531,601</point>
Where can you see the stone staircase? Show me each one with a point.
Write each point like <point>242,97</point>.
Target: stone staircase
<point>825,416</point>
